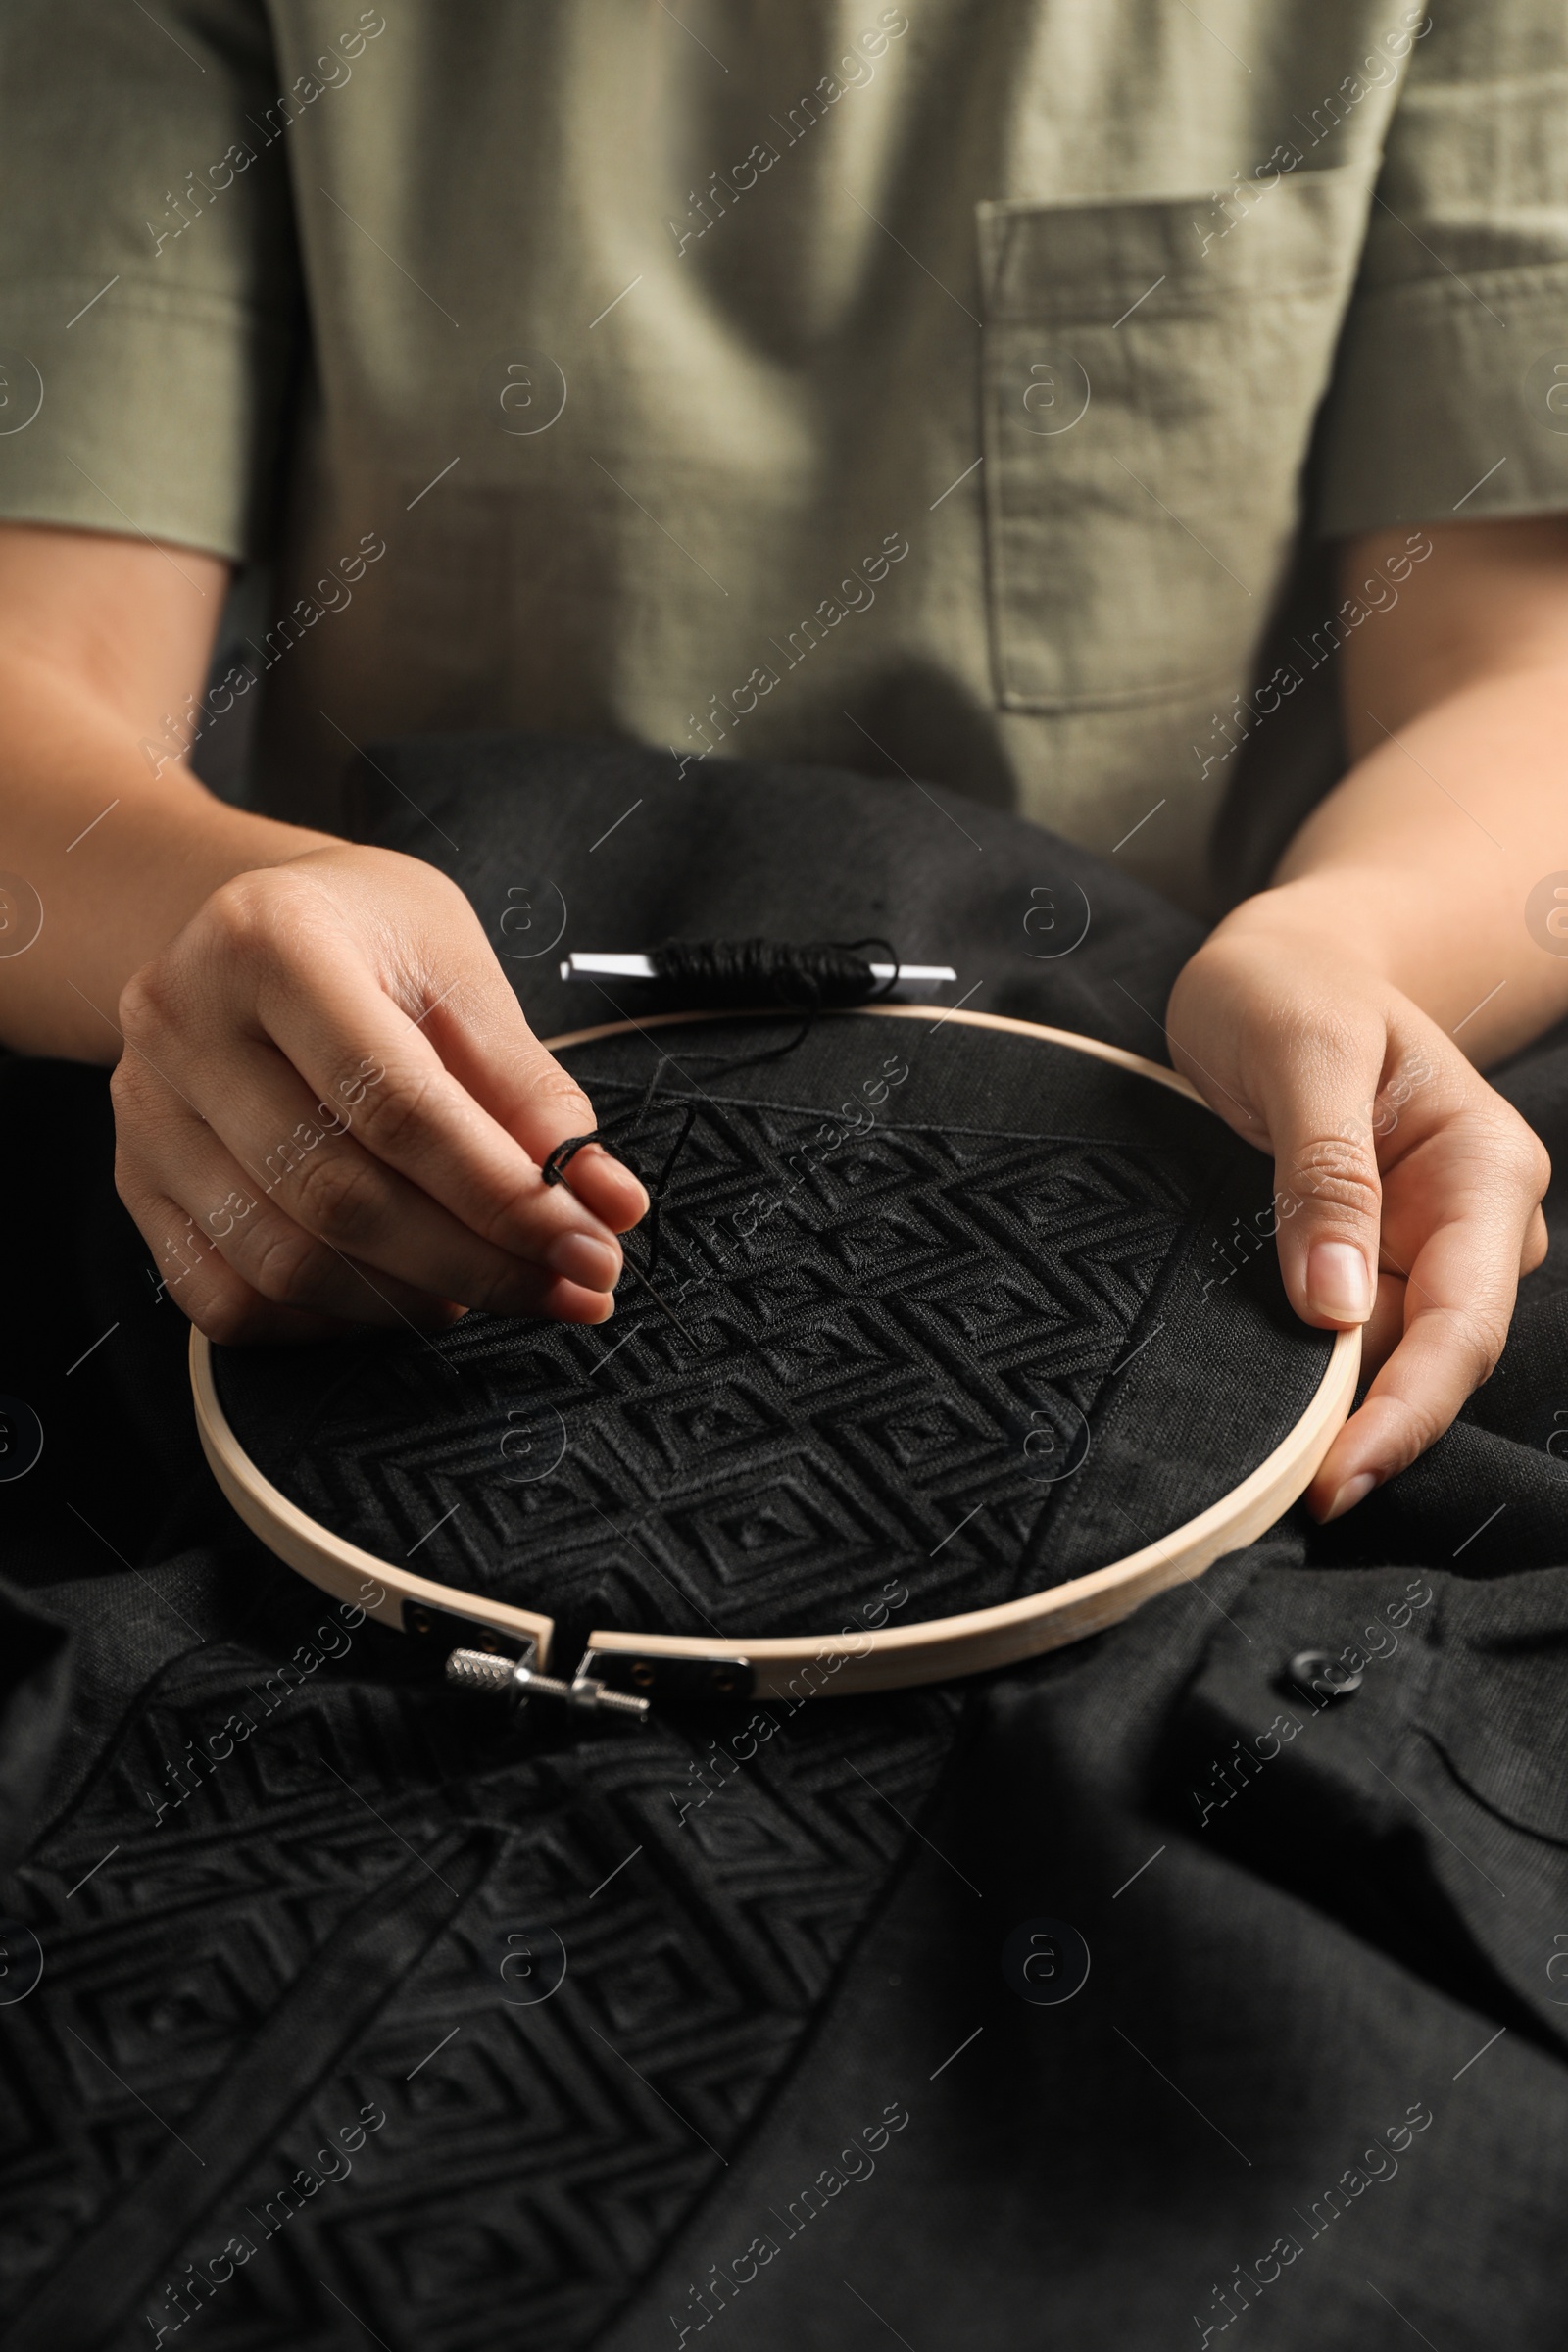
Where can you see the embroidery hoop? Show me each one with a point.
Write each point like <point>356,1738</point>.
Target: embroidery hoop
<point>686,1666</point>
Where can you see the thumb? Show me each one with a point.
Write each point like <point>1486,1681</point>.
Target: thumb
<point>1328,1191</point>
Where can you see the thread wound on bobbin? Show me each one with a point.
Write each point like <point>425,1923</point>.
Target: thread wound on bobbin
<point>799,977</point>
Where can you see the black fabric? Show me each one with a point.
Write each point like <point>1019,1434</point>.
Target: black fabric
<point>887,1346</point>
<point>32,1703</point>
<point>793,2084</point>
<point>563,846</point>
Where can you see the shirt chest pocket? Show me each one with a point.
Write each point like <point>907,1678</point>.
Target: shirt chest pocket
<point>1151,374</point>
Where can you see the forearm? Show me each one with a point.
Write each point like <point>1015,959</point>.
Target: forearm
<point>1423,858</point>
<point>1421,863</point>
<point>119,859</point>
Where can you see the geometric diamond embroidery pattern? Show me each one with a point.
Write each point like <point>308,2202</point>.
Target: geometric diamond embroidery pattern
<point>848,1386</point>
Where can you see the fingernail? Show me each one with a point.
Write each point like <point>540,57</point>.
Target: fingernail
<point>580,1257</point>
<point>1338,1283</point>
<point>1350,1494</point>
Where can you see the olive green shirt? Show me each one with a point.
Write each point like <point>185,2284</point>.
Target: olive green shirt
<point>957,389</point>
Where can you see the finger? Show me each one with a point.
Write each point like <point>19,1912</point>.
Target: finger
<point>177,1157</point>
<point>268,1255</point>
<point>416,1115</point>
<point>195,1275</point>
<point>480,1034</point>
<point>1459,1297</point>
<point>1329,1194</point>
<point>282,958</point>
<point>484,1039</point>
<point>168,1153</point>
<point>303,1162</point>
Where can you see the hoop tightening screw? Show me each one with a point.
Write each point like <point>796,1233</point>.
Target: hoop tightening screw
<point>507,1678</point>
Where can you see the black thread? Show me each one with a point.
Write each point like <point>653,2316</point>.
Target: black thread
<point>744,972</point>
<point>732,973</point>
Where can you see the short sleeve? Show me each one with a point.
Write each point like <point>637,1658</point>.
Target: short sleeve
<point>149,301</point>
<point>1450,396</point>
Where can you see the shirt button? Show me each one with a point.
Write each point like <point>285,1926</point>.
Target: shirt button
<point>1320,1670</point>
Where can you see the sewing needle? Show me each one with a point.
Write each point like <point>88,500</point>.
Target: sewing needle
<point>660,1303</point>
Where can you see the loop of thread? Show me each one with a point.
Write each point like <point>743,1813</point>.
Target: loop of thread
<point>553,1168</point>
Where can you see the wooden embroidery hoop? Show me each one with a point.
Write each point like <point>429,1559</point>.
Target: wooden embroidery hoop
<point>844,1664</point>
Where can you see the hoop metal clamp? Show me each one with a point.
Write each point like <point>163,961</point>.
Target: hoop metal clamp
<point>516,1679</point>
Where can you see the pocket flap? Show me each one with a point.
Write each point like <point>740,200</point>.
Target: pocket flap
<point>1085,260</point>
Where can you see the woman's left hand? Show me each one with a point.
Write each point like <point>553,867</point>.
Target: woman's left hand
<point>1407,1191</point>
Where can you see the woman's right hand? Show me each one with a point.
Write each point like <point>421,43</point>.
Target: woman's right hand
<point>330,1110</point>
<point>329,1107</point>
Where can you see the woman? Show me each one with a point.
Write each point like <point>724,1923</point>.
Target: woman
<point>954,400</point>
<point>1147,417</point>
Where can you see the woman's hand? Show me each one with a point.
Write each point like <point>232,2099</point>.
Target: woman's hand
<point>1406,1191</point>
<point>330,1110</point>
<point>329,1107</point>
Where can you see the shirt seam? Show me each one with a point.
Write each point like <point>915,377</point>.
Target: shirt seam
<point>149,299</point>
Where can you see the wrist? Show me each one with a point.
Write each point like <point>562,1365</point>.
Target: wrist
<point>225,841</point>
<point>1348,913</point>
<point>139,867</point>
<point>1457,954</point>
